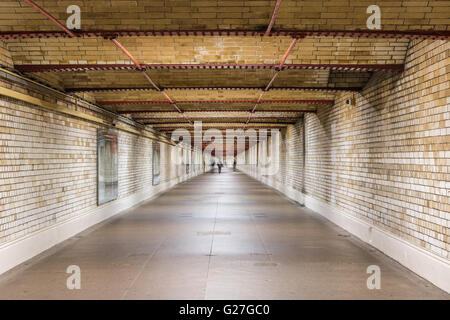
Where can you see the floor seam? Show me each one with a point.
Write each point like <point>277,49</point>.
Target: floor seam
<point>142,269</point>
<point>211,248</point>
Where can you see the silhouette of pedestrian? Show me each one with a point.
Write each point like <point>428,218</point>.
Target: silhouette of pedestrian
<point>220,165</point>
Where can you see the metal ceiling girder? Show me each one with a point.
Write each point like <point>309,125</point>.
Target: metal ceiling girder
<point>283,60</point>
<point>199,111</point>
<point>113,38</point>
<point>384,34</point>
<point>215,120</point>
<point>273,18</point>
<point>293,101</point>
<point>150,80</point>
<point>297,66</point>
<point>68,32</point>
<point>94,89</point>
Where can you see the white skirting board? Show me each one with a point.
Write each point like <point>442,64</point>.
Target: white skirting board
<point>422,262</point>
<point>18,251</point>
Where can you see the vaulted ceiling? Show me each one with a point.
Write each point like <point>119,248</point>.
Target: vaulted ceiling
<point>230,64</point>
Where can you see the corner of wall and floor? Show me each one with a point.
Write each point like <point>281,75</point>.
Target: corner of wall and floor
<point>48,163</point>
<point>379,168</point>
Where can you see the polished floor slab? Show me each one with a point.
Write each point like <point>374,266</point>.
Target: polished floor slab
<point>215,236</point>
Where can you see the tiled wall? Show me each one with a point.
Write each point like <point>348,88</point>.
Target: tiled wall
<point>386,159</point>
<point>5,55</point>
<point>286,161</point>
<point>48,168</point>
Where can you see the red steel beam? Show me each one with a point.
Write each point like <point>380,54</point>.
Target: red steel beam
<point>192,130</point>
<point>298,66</point>
<point>288,114</point>
<point>201,111</point>
<point>274,17</point>
<point>300,101</point>
<point>308,101</point>
<point>330,89</point>
<point>167,97</point>
<point>229,125</point>
<point>283,60</point>
<point>230,141</point>
<point>225,124</point>
<point>260,98</point>
<point>271,81</point>
<point>127,102</point>
<point>215,120</point>
<point>51,18</point>
<point>209,119</point>
<point>347,67</point>
<point>415,34</point>
<point>149,79</point>
<point>288,51</point>
<point>117,43</point>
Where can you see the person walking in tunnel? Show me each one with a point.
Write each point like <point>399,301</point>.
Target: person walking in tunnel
<point>220,165</point>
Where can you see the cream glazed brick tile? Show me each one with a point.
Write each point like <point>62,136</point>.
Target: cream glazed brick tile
<point>351,163</point>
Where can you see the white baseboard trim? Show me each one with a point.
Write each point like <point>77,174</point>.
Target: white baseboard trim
<point>18,251</point>
<point>422,262</point>
<point>290,192</point>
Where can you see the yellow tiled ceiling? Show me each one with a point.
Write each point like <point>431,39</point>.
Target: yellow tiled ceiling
<point>232,15</point>
<point>251,15</point>
<point>208,49</point>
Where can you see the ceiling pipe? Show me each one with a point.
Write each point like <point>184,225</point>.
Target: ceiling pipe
<point>111,37</point>
<point>114,40</point>
<point>288,51</point>
<point>117,43</point>
<point>283,60</point>
<point>274,17</point>
<point>154,85</point>
<point>149,79</point>
<point>118,67</point>
<point>51,18</point>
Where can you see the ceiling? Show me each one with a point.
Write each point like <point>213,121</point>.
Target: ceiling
<point>229,64</point>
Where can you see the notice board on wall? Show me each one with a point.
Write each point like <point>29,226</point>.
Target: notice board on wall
<point>107,166</point>
<point>156,162</point>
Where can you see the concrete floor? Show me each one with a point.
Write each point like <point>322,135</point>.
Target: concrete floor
<point>216,236</point>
